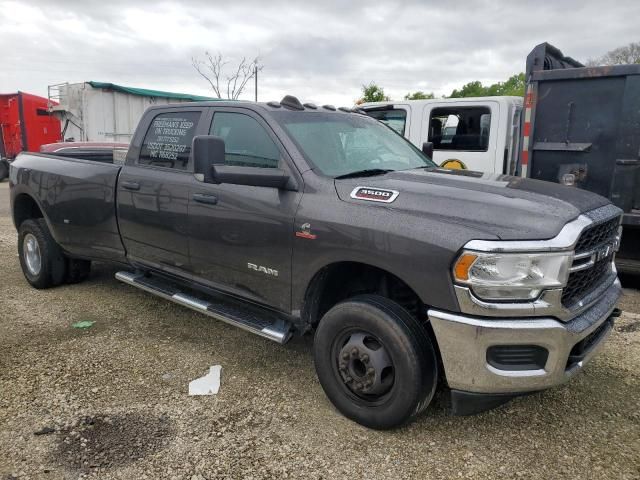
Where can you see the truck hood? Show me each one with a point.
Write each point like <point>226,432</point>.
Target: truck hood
<point>511,208</point>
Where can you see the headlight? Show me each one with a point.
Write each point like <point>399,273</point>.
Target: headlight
<point>511,276</point>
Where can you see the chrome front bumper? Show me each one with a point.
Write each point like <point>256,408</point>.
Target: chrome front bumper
<point>463,342</point>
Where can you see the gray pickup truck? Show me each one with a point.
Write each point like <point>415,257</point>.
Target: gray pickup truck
<point>283,218</point>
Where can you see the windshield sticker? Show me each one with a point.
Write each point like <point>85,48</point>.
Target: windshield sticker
<point>373,194</point>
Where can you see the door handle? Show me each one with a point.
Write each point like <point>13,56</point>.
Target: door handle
<point>204,198</point>
<point>131,185</point>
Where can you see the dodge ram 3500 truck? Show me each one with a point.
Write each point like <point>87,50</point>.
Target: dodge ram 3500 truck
<point>285,218</point>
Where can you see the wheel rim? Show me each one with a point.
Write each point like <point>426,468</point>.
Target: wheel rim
<point>364,366</point>
<point>31,253</point>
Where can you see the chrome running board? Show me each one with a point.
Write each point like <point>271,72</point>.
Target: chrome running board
<point>249,317</point>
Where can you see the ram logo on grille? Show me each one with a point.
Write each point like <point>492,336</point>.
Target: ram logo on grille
<point>373,194</point>
<point>605,251</point>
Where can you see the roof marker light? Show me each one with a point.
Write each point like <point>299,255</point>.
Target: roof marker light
<point>291,102</point>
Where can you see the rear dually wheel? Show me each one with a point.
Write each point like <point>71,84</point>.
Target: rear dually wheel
<point>41,259</point>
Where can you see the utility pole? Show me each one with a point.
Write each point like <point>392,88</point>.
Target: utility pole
<point>255,66</point>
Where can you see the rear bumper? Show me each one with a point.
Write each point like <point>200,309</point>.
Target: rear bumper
<point>464,340</point>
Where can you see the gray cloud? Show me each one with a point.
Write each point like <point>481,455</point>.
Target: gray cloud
<point>321,52</point>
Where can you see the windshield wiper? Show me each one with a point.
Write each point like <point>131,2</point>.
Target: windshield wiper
<point>368,172</point>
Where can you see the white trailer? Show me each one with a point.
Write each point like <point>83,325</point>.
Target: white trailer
<point>105,112</point>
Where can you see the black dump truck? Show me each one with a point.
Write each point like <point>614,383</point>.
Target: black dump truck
<point>282,218</point>
<point>581,127</point>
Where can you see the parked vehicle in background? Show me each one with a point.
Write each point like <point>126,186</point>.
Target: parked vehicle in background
<point>580,126</point>
<point>25,124</point>
<point>4,169</point>
<point>96,151</point>
<point>479,133</point>
<point>285,218</point>
<point>105,112</point>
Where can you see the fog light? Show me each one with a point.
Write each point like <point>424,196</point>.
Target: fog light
<point>517,357</point>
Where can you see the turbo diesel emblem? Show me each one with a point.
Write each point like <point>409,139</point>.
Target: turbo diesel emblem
<point>373,194</point>
<point>305,232</point>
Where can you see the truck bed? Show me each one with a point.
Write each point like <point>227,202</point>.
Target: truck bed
<point>87,228</point>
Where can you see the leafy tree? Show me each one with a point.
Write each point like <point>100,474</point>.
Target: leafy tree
<point>471,89</point>
<point>514,86</point>
<point>373,93</point>
<point>628,54</point>
<point>419,95</point>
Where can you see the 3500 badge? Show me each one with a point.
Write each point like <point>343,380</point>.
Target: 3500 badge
<point>373,194</point>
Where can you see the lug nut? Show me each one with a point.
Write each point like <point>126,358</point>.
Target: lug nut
<point>354,352</point>
<point>371,371</point>
<point>364,358</point>
<point>345,356</point>
<point>358,386</point>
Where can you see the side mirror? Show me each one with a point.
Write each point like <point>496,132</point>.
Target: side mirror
<point>209,162</point>
<point>207,152</point>
<point>254,176</point>
<point>427,149</point>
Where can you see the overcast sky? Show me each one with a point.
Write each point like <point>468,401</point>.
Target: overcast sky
<point>319,51</point>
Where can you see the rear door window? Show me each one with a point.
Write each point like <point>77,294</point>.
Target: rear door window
<point>396,118</point>
<point>168,140</point>
<point>460,128</point>
<point>246,142</point>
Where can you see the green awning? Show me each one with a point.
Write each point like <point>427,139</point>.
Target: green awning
<point>145,92</point>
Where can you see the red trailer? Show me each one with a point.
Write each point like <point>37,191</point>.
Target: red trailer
<point>25,125</point>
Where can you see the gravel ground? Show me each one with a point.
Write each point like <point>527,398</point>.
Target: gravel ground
<point>115,396</point>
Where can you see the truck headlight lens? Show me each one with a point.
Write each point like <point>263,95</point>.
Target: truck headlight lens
<point>511,276</point>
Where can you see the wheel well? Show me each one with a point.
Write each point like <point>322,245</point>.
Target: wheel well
<point>339,281</point>
<point>25,208</point>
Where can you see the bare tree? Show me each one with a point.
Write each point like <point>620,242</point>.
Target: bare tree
<point>212,69</point>
<point>628,54</point>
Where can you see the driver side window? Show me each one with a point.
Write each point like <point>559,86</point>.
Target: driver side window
<point>246,142</point>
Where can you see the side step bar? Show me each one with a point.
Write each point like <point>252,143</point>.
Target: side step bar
<point>248,317</point>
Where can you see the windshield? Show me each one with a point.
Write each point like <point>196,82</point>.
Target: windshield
<point>340,144</point>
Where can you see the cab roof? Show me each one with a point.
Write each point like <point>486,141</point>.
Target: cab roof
<point>288,102</point>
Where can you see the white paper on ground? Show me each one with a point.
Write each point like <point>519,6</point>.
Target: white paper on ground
<point>207,385</point>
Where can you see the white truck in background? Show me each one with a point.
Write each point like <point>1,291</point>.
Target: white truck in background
<point>578,126</point>
<point>479,133</point>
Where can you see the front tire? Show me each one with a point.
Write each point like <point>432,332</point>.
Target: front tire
<point>41,259</point>
<point>375,362</point>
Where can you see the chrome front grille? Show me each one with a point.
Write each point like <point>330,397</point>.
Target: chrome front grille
<point>597,235</point>
<point>582,282</point>
<point>593,257</point>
